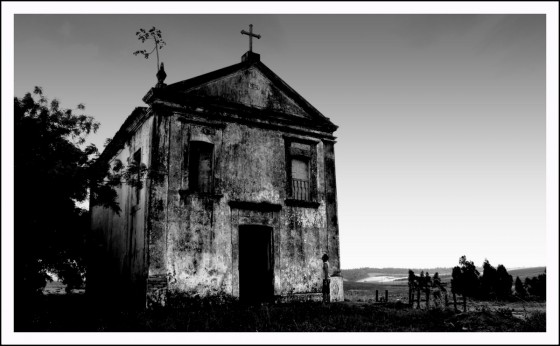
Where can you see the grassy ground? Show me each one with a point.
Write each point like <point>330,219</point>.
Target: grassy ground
<point>74,313</point>
<point>398,292</point>
<point>365,292</point>
<point>58,312</point>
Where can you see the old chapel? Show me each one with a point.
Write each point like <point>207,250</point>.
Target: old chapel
<point>240,198</point>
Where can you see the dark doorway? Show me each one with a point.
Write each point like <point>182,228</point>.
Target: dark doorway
<point>256,263</point>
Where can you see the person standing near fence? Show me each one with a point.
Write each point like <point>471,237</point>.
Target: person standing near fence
<point>326,279</point>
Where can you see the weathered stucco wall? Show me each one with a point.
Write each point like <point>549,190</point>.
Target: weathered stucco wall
<point>331,203</point>
<point>302,249</point>
<point>180,241</point>
<point>198,237</point>
<point>197,248</point>
<point>118,239</point>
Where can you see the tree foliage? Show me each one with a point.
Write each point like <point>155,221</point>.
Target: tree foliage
<point>470,277</point>
<point>536,286</point>
<point>50,165</point>
<point>437,281</point>
<point>520,288</point>
<point>456,281</point>
<point>488,279</point>
<point>54,169</point>
<point>495,282</point>
<point>504,282</point>
<point>465,278</point>
<point>151,34</point>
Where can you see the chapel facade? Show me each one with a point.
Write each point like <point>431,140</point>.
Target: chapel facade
<point>239,199</point>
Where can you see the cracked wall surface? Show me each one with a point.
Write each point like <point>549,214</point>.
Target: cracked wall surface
<point>249,165</point>
<point>185,242</point>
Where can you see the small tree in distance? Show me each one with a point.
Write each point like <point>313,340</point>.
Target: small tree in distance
<point>470,277</point>
<point>536,286</point>
<point>457,286</point>
<point>488,280</point>
<point>504,282</point>
<point>465,280</point>
<point>519,288</point>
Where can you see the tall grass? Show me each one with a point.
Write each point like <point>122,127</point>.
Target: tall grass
<point>74,313</point>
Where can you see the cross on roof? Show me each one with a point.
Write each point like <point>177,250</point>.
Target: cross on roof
<point>251,35</point>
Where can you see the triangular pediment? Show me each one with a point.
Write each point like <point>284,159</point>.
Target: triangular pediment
<point>250,85</point>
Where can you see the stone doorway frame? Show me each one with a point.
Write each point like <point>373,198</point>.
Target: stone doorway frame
<point>259,214</point>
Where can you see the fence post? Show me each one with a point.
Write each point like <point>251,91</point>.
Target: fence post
<point>376,296</point>
<point>418,299</point>
<point>410,295</point>
<point>427,298</point>
<point>386,296</point>
<point>455,301</point>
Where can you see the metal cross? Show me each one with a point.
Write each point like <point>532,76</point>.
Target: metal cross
<point>251,35</point>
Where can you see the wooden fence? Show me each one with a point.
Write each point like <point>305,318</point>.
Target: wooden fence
<point>439,293</point>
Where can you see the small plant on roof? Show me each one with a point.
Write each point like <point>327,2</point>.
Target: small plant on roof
<point>154,34</point>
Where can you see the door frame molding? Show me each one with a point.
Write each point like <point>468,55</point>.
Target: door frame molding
<point>247,214</point>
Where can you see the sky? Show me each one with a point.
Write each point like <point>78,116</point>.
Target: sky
<point>441,143</point>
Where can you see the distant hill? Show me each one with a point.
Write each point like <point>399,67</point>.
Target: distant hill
<point>527,272</point>
<point>363,273</point>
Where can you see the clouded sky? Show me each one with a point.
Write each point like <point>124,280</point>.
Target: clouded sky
<point>441,145</point>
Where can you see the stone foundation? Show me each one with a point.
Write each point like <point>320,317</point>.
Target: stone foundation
<point>300,297</point>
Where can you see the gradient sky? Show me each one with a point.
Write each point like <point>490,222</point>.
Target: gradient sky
<point>441,145</point>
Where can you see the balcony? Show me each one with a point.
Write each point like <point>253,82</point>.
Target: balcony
<point>205,184</point>
<point>300,190</point>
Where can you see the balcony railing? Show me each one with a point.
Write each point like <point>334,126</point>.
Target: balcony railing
<point>300,190</point>
<point>204,184</point>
